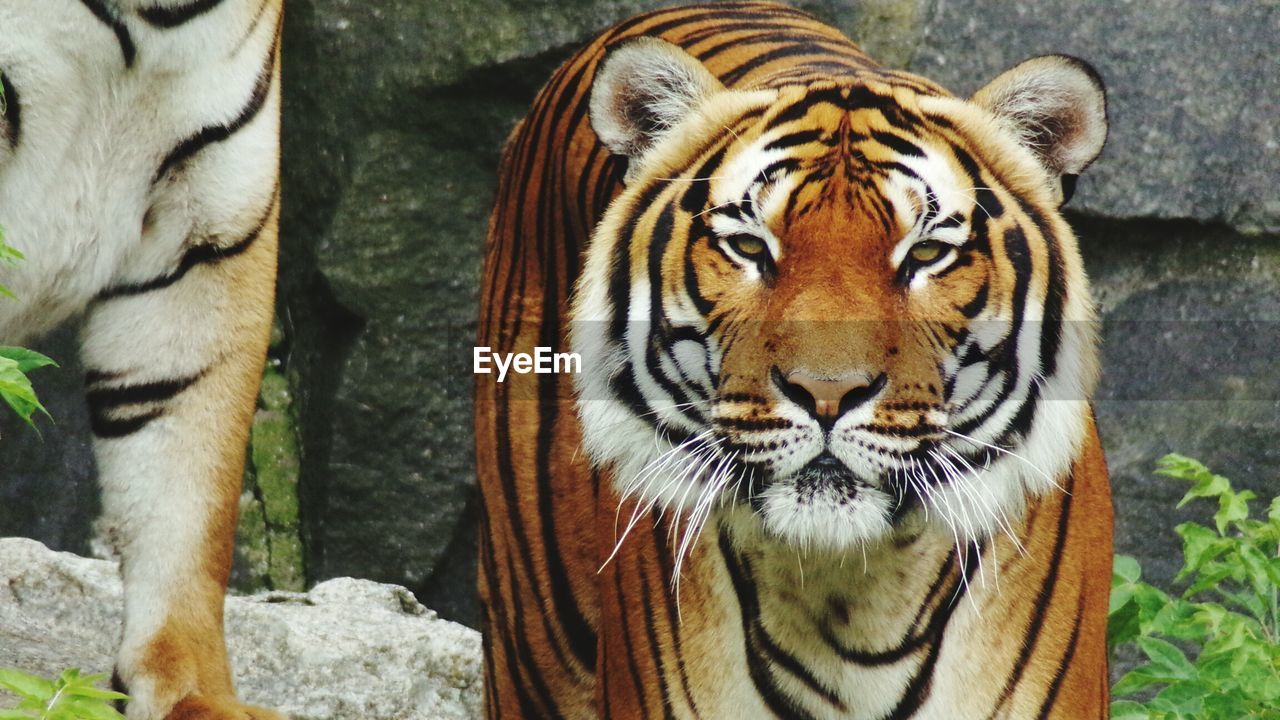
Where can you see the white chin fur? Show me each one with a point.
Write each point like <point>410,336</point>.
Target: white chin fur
<point>827,520</point>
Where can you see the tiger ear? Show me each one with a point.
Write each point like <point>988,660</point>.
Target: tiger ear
<point>644,88</point>
<point>1057,106</point>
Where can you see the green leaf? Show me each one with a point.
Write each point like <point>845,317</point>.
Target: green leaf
<point>1257,566</point>
<point>1273,514</point>
<point>16,390</point>
<point>1177,620</point>
<point>27,360</point>
<point>89,691</point>
<point>85,709</point>
<point>1209,577</point>
<point>16,715</point>
<point>1167,660</point>
<point>1128,710</point>
<point>1185,698</point>
<point>1136,680</point>
<point>1199,546</point>
<point>1232,508</point>
<point>1123,624</point>
<point>28,686</point>
<point>10,255</point>
<point>1126,568</point>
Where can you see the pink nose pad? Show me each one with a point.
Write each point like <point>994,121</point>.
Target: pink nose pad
<point>827,399</point>
<point>827,394</point>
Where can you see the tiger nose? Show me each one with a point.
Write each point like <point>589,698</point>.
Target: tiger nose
<point>827,399</point>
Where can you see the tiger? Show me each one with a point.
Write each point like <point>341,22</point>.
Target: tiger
<point>139,177</point>
<point>831,452</point>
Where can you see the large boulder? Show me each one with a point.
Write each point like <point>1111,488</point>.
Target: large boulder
<point>346,649</point>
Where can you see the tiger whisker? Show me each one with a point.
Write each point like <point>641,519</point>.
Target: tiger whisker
<point>975,495</point>
<point>692,484</point>
<point>961,553</point>
<point>1003,519</point>
<point>698,520</point>
<point>1010,453</point>
<point>727,203</point>
<point>969,527</point>
<point>634,486</point>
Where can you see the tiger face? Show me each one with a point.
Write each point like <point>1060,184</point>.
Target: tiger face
<point>838,305</point>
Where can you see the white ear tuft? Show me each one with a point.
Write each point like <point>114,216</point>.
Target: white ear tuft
<point>644,88</point>
<point>1057,106</point>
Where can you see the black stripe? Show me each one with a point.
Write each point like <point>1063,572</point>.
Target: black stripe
<point>12,111</point>
<point>578,634</point>
<point>658,344</point>
<point>921,684</point>
<point>900,145</point>
<point>107,429</point>
<point>199,255</point>
<point>524,541</point>
<point>211,134</point>
<point>651,634</point>
<point>105,402</point>
<point>910,643</point>
<point>632,664</point>
<point>100,11</point>
<point>667,572</point>
<point>171,17</point>
<point>1043,599</point>
<point>818,48</point>
<point>1056,686</point>
<point>1055,300</point>
<point>499,623</point>
<point>524,655</point>
<point>758,667</point>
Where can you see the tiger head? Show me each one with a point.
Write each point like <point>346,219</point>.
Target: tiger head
<point>837,304</point>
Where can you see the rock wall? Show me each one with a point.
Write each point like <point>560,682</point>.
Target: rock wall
<point>394,114</point>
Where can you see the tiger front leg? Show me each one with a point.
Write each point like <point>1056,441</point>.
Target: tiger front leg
<point>174,367</point>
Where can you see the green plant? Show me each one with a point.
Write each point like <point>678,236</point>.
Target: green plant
<point>1227,619</point>
<point>15,387</point>
<point>71,697</point>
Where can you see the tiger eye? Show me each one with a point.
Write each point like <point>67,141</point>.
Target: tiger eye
<point>748,246</point>
<point>927,251</point>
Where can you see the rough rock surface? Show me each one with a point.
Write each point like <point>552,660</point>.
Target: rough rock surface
<point>346,649</point>
<point>1191,323</point>
<point>1192,95</point>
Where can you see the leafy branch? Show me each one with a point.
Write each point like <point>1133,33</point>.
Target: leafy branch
<point>1227,618</point>
<point>71,697</point>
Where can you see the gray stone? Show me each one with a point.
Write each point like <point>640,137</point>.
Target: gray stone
<point>1191,322</point>
<point>1193,95</point>
<point>347,649</point>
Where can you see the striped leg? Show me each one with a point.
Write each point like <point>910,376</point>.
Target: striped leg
<point>174,372</point>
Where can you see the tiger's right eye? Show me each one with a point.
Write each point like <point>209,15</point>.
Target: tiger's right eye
<point>749,247</point>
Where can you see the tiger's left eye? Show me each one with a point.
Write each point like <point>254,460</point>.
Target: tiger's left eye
<point>928,251</point>
<point>749,247</point>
